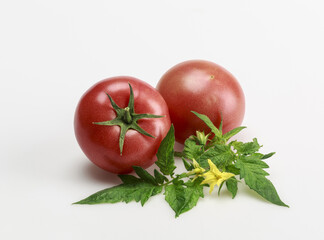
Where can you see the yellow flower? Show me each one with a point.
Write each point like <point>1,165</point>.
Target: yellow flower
<point>214,176</point>
<point>197,170</point>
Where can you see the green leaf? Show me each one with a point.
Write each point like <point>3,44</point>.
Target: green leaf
<point>165,154</point>
<point>254,160</point>
<point>247,148</point>
<point>140,191</point>
<point>266,156</point>
<point>220,128</point>
<point>232,169</point>
<point>182,198</point>
<point>178,154</point>
<point>191,149</point>
<point>257,154</point>
<point>187,165</point>
<point>220,188</point>
<point>144,175</point>
<point>220,155</point>
<point>128,179</point>
<point>263,156</point>
<point>209,123</point>
<point>232,133</point>
<point>159,177</point>
<point>254,176</point>
<point>231,185</point>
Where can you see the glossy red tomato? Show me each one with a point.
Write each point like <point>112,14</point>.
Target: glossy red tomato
<point>98,128</point>
<point>206,88</point>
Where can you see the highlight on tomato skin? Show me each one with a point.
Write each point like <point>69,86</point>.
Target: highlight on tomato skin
<point>101,141</point>
<point>204,87</point>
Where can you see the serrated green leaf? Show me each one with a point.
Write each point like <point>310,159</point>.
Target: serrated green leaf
<point>182,198</point>
<point>140,191</point>
<point>165,154</point>
<point>247,148</point>
<point>220,155</point>
<point>187,165</point>
<point>232,169</point>
<point>254,160</point>
<point>231,185</point>
<point>266,156</point>
<point>232,133</point>
<point>144,175</point>
<point>159,177</point>
<point>235,144</point>
<point>175,196</point>
<point>254,176</point>
<point>209,123</point>
<point>129,179</point>
<point>191,149</point>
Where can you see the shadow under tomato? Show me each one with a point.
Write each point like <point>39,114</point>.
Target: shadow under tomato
<point>99,175</point>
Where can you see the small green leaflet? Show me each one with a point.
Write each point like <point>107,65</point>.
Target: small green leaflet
<point>266,156</point>
<point>246,148</point>
<point>231,185</point>
<point>232,169</point>
<point>191,149</point>
<point>254,176</point>
<point>182,198</point>
<point>232,133</point>
<point>144,175</point>
<point>220,155</point>
<point>159,177</point>
<point>187,165</point>
<point>140,191</point>
<point>209,123</point>
<point>129,179</point>
<point>165,154</point>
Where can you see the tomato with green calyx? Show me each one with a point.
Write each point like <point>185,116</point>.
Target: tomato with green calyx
<point>204,87</point>
<point>120,122</point>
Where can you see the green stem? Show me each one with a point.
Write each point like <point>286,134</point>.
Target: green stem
<point>167,183</point>
<point>181,176</point>
<point>127,117</point>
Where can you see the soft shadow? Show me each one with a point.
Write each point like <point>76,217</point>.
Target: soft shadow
<point>97,174</point>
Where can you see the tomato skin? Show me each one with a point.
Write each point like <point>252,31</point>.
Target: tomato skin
<point>206,88</point>
<point>101,143</point>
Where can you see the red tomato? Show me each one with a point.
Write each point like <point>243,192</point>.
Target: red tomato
<point>206,88</point>
<point>101,143</point>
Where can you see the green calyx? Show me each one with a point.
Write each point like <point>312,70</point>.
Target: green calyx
<point>127,119</point>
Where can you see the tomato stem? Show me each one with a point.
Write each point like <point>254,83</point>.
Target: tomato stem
<point>127,119</point>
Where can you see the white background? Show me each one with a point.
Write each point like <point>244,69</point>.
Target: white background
<point>52,51</point>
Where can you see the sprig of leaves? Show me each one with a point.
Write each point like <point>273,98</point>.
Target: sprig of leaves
<point>202,157</point>
<point>181,196</point>
<point>239,158</point>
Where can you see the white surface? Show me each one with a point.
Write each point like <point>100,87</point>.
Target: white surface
<point>52,51</point>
